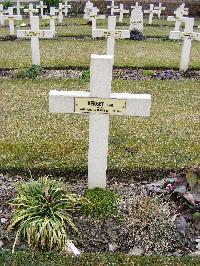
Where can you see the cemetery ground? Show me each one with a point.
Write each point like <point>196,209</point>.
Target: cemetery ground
<point>35,143</point>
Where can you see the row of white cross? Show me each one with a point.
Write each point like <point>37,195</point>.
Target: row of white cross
<point>111,34</point>
<point>90,11</point>
<point>62,9</point>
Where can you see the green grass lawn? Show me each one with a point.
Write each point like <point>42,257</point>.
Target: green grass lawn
<point>51,259</point>
<point>86,30</point>
<point>63,53</point>
<point>78,27</point>
<point>32,138</point>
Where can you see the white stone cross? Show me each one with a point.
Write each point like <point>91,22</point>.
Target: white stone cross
<point>18,7</point>
<point>136,6</point>
<point>94,19</point>
<point>111,34</point>
<point>35,33</point>
<point>52,17</point>
<point>184,10</point>
<point>60,11</point>
<point>10,17</point>
<point>88,7</point>
<point>31,10</point>
<point>136,20</point>
<point>151,12</point>
<point>160,8</point>
<point>179,18</point>
<point>99,104</point>
<point>1,15</point>
<point>90,11</point>
<point>188,35</point>
<point>41,6</point>
<point>112,7</point>
<point>67,7</point>
<point>121,12</point>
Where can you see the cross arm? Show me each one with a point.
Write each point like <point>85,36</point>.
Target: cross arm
<point>134,104</point>
<point>44,34</point>
<point>31,10</point>
<point>171,18</point>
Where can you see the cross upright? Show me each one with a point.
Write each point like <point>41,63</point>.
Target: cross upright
<point>188,35</point>
<point>112,7</point>
<point>34,34</point>
<point>122,11</point>
<point>31,10</point>
<point>41,6</point>
<point>1,15</point>
<point>67,7</point>
<point>111,34</point>
<point>99,104</point>
<point>160,8</point>
<point>151,12</point>
<point>136,20</point>
<point>10,17</point>
<point>52,17</point>
<point>179,18</point>
<point>60,11</point>
<point>18,7</point>
<point>184,10</point>
<point>136,6</point>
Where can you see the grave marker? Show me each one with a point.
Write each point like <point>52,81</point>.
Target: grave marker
<point>94,19</point>
<point>18,7</point>
<point>34,34</point>
<point>41,6</point>
<point>99,104</point>
<point>1,15</point>
<point>111,34</point>
<point>31,10</point>
<point>60,12</point>
<point>121,12</point>
<point>52,17</point>
<point>112,7</point>
<point>136,20</point>
<point>11,18</point>
<point>179,18</point>
<point>160,8</point>
<point>151,12</point>
<point>67,7</point>
<point>136,6</point>
<point>188,35</point>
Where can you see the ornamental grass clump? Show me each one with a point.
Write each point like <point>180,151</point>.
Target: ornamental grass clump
<point>43,212</point>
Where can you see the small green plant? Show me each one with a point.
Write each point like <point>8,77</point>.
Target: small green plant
<point>104,203</point>
<point>43,210</point>
<point>20,73</point>
<point>86,75</point>
<point>34,71</point>
<point>148,72</point>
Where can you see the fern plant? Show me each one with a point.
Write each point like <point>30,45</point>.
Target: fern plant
<point>43,209</point>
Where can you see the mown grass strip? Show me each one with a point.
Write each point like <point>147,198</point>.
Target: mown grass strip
<point>32,138</point>
<point>148,54</point>
<point>21,258</point>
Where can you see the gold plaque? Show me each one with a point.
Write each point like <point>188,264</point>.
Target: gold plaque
<point>35,34</point>
<point>99,105</point>
<point>116,34</point>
